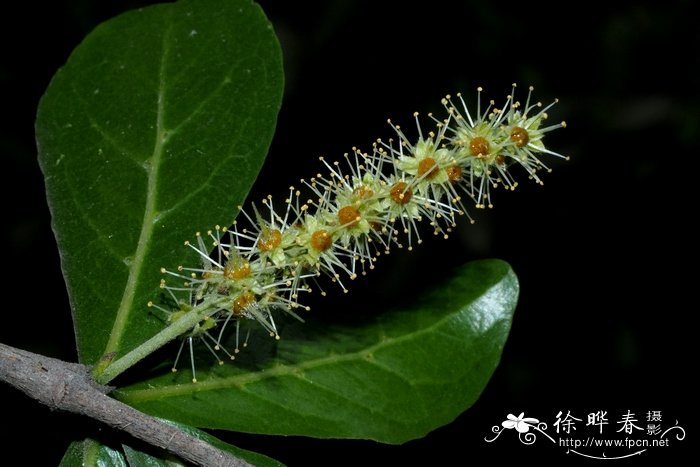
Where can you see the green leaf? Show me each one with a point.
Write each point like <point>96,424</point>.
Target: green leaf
<point>156,126</point>
<point>392,379</point>
<point>89,452</point>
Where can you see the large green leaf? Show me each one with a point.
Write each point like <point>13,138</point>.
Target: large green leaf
<point>392,379</point>
<point>156,126</point>
<point>89,453</point>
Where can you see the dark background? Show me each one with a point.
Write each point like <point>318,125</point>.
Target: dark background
<point>603,250</point>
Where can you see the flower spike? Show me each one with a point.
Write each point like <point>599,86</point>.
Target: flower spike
<point>351,215</point>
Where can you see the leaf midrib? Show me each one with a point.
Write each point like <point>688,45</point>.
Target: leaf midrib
<point>296,369</point>
<point>152,168</point>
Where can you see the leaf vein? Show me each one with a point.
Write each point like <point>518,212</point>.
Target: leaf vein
<point>162,214</point>
<point>144,241</point>
<point>203,103</point>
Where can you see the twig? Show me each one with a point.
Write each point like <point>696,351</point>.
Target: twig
<point>68,386</point>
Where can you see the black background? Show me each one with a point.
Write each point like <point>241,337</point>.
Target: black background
<point>603,250</point>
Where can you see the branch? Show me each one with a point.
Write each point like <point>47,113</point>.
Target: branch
<point>69,387</point>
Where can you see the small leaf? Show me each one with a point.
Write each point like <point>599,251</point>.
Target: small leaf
<point>156,126</point>
<point>394,379</point>
<point>91,453</point>
<point>141,459</point>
